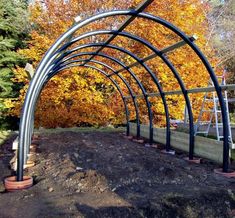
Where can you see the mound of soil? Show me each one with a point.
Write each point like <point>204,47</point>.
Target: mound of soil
<point>102,174</point>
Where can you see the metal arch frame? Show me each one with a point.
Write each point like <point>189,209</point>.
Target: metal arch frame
<point>131,94</point>
<point>165,60</point>
<point>51,68</point>
<point>111,79</point>
<point>132,74</point>
<point>212,76</point>
<point>102,72</point>
<point>65,53</point>
<point>42,83</point>
<point>122,79</point>
<point>146,69</point>
<point>51,55</point>
<point>137,80</point>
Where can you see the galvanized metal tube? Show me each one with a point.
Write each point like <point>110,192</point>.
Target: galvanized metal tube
<point>213,78</point>
<point>122,79</point>
<point>121,64</point>
<point>140,8</point>
<point>142,64</point>
<point>51,55</point>
<point>148,70</point>
<point>163,51</point>
<point>27,110</point>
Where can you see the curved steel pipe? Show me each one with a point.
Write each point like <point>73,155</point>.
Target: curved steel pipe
<point>149,72</point>
<point>51,55</point>
<point>129,71</point>
<point>113,59</point>
<point>122,79</point>
<point>212,76</point>
<point>165,60</point>
<point>137,80</point>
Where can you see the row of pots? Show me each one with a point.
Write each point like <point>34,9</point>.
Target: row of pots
<point>11,183</point>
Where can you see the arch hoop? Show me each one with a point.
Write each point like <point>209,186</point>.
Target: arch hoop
<point>64,54</point>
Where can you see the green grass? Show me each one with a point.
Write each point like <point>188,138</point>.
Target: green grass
<point>3,136</point>
<point>233,154</point>
<point>80,129</point>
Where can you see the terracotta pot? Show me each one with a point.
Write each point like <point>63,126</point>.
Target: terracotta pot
<point>194,160</point>
<point>11,184</point>
<point>230,174</point>
<point>128,137</point>
<point>138,140</point>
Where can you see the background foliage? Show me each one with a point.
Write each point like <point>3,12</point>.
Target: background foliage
<point>222,38</point>
<point>81,96</point>
<point>13,22</point>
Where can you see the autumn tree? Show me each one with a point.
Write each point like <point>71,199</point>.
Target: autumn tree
<point>81,96</point>
<point>221,30</point>
<point>221,36</point>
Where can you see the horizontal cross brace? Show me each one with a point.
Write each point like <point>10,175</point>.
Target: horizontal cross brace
<point>163,51</point>
<point>139,9</point>
<point>195,90</point>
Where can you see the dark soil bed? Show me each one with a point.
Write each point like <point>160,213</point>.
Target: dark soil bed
<point>102,174</point>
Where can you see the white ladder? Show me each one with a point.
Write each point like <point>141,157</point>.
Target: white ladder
<point>209,111</point>
<point>216,113</point>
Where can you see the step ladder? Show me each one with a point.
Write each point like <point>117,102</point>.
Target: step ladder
<point>211,110</point>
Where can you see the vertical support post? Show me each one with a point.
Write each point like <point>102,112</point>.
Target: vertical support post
<point>191,127</point>
<point>138,125</point>
<point>20,163</point>
<point>150,122</point>
<point>128,129</point>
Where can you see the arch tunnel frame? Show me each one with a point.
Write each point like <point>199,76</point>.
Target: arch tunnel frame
<point>50,66</point>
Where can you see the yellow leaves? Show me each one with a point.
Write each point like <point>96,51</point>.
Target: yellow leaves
<point>81,96</point>
<point>38,45</point>
<point>20,75</point>
<point>9,103</point>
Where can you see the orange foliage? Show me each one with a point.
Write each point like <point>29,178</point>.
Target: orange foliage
<point>82,96</point>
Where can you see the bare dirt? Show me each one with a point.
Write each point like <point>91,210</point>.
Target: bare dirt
<point>102,174</point>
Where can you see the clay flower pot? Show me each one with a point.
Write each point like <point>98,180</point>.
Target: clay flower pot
<point>11,184</point>
<point>230,174</point>
<point>128,137</point>
<point>138,140</point>
<point>194,160</point>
